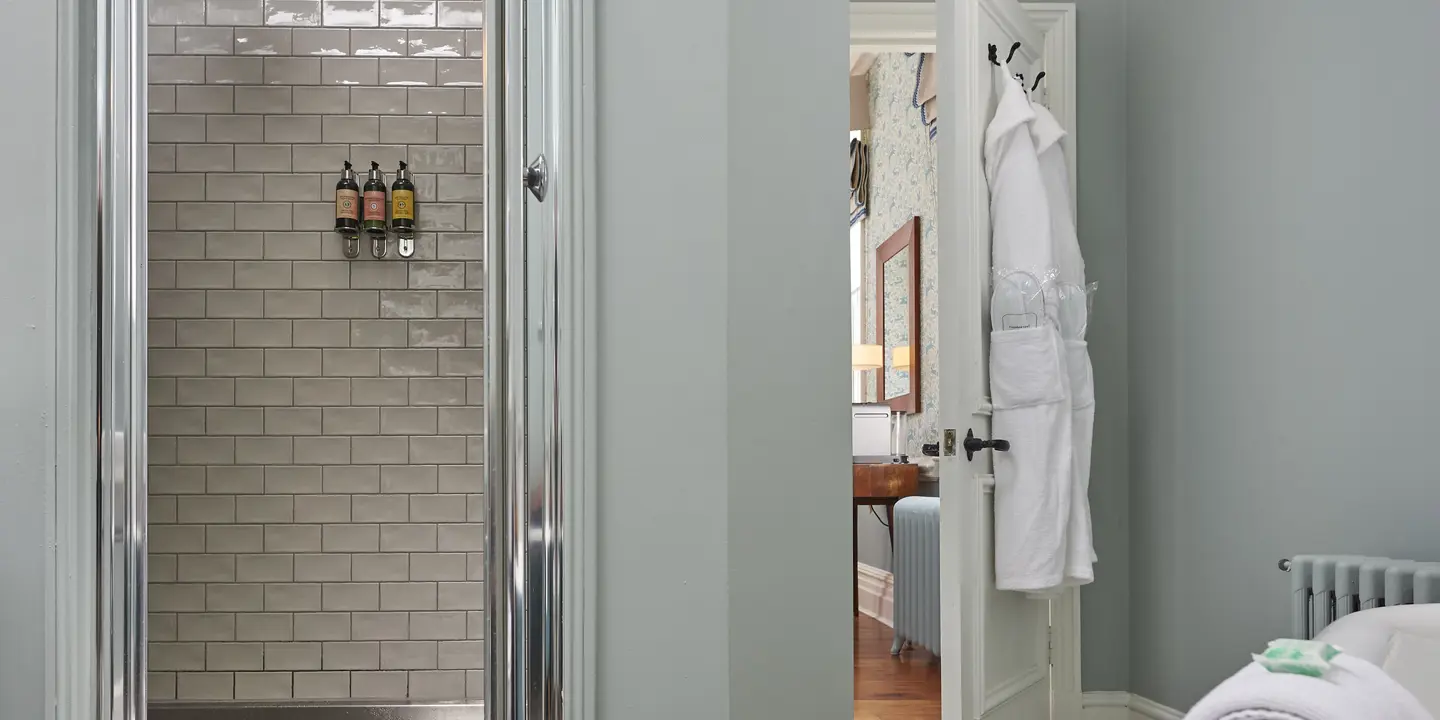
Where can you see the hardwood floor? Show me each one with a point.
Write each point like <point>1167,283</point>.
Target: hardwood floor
<point>893,688</point>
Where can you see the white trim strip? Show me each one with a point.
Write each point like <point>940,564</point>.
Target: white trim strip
<point>576,321</point>
<point>1146,708</point>
<point>1120,705</point>
<point>876,590</point>
<point>892,27</point>
<point>74,575</point>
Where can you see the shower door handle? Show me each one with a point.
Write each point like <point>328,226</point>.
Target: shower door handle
<point>537,178</point>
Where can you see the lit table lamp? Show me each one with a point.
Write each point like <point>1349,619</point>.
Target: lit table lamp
<point>900,357</point>
<point>900,361</point>
<point>866,357</point>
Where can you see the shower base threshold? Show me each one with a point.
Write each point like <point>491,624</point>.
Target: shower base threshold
<point>299,710</point>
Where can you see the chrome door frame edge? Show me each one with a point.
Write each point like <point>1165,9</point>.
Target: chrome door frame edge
<point>541,576</point>
<point>539,248</point>
<point>121,180</point>
<point>504,352</point>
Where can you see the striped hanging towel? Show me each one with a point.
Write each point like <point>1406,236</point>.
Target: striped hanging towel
<point>859,181</point>
<point>924,96</point>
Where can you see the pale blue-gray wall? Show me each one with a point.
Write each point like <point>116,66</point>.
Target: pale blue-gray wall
<point>723,557</point>
<point>1282,192</point>
<point>1100,134</point>
<point>662,532</point>
<point>27,357</point>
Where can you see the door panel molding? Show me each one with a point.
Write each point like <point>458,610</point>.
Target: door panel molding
<point>1001,689</point>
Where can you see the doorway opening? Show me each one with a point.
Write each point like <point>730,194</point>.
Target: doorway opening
<point>919,349</point>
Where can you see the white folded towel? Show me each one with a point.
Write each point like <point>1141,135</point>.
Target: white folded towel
<point>1352,689</point>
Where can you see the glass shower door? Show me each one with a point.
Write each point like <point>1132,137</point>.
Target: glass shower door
<point>523,518</point>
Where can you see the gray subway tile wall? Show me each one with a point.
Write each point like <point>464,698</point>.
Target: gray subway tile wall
<point>316,425</point>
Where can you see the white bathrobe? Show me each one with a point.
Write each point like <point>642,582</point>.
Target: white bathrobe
<point>1047,133</point>
<point>1028,380</point>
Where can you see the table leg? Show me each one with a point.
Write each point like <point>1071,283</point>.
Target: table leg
<point>855,560</point>
<point>890,526</point>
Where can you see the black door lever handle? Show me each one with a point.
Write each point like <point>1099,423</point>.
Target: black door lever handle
<point>973,445</point>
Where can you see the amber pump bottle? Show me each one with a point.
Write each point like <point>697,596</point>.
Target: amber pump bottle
<point>347,210</point>
<point>402,201</point>
<point>347,202</point>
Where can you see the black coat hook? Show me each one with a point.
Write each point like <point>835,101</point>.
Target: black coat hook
<point>1038,78</point>
<point>993,51</point>
<point>1013,48</point>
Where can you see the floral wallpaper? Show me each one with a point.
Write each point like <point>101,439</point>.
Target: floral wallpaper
<point>902,185</point>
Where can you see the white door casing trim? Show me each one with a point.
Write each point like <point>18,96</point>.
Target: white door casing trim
<point>1057,22</point>
<point>892,27</point>
<point>578,391</point>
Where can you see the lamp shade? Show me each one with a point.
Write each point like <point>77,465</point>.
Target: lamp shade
<point>900,357</point>
<point>866,357</point>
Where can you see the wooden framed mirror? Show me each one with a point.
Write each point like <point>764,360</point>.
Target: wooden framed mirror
<point>897,318</point>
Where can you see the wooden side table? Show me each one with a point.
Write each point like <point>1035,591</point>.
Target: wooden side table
<point>878,484</point>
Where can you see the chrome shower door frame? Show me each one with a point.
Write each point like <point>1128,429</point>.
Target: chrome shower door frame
<point>540,372</point>
<point>540,368</point>
<point>97,624</point>
<point>119,162</point>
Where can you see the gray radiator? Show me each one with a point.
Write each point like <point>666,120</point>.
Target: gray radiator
<point>1326,588</point>
<point>916,568</point>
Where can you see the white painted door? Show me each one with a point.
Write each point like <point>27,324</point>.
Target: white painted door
<point>1002,671</point>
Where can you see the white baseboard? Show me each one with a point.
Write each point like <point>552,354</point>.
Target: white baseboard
<point>1148,709</point>
<point>1125,706</point>
<point>877,593</point>
<point>1105,705</point>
